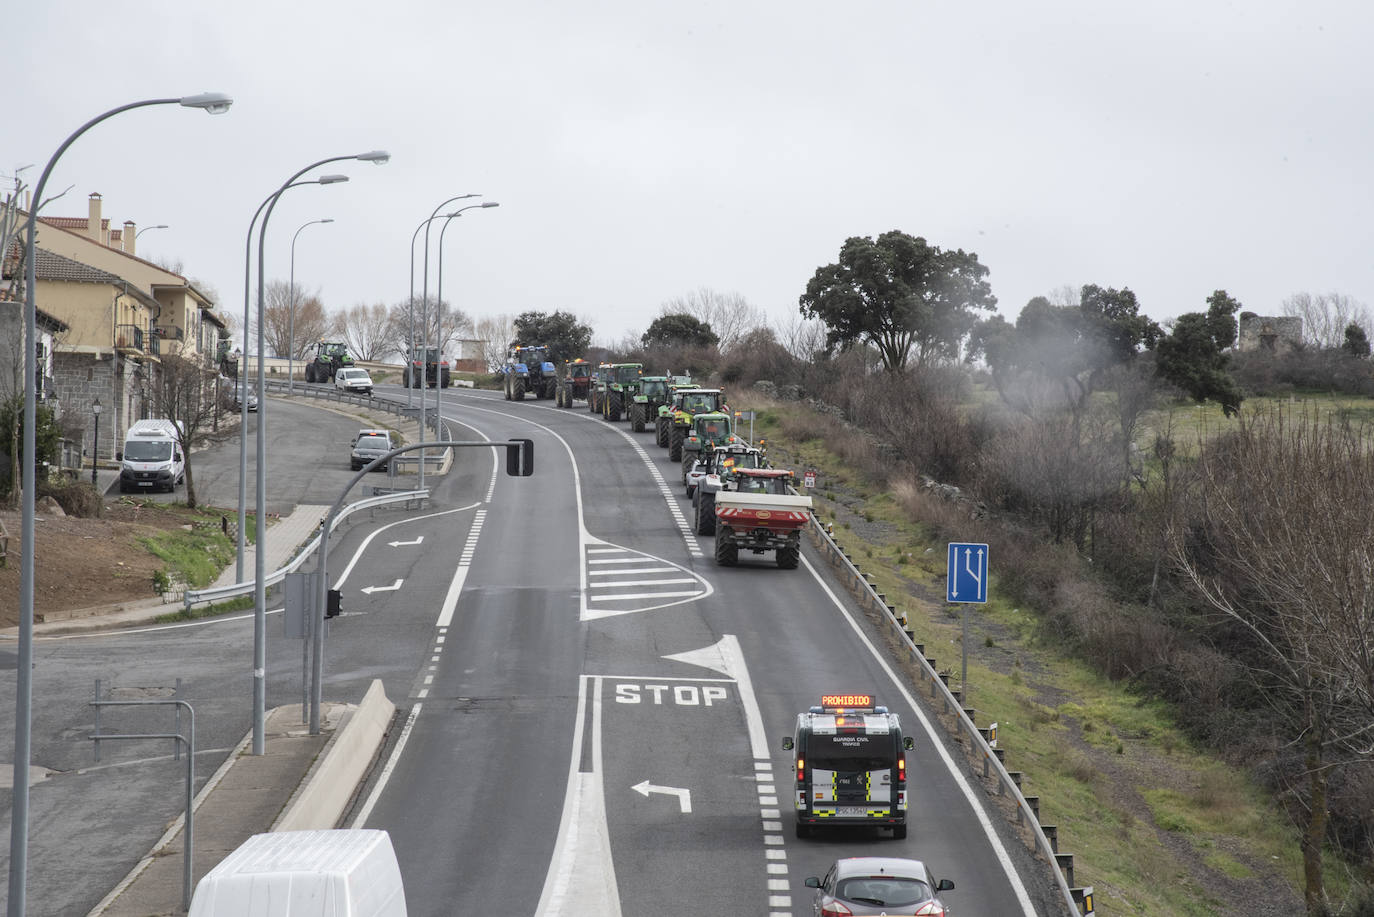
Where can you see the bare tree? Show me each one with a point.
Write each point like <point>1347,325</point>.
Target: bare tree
<point>184,392</point>
<point>1325,316</point>
<point>803,337</point>
<point>1281,544</point>
<point>730,315</point>
<point>365,329</point>
<point>495,333</point>
<point>312,322</point>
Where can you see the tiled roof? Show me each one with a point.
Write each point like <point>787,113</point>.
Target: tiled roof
<point>81,223</point>
<point>52,266</point>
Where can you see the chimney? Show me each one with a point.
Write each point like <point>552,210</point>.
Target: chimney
<point>93,218</point>
<point>130,234</point>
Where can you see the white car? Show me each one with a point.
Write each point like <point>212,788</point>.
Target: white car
<point>353,380</point>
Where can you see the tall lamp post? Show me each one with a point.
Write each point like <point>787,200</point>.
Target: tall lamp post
<point>240,380</point>
<point>291,330</point>
<point>379,157</point>
<point>439,305</point>
<point>214,103</point>
<point>146,228</point>
<point>95,449</point>
<point>424,224</point>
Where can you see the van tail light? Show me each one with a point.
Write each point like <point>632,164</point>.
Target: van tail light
<point>931,910</point>
<point>801,770</point>
<point>835,909</point>
<point>901,770</point>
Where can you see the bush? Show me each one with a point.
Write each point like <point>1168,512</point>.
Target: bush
<point>77,498</point>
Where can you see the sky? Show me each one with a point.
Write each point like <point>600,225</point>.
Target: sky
<point>640,151</point>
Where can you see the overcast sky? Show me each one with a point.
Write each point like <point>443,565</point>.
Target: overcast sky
<point>641,150</point>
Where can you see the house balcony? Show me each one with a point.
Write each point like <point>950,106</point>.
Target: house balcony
<point>170,332</point>
<point>134,340</point>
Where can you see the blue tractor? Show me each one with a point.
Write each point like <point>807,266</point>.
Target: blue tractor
<point>528,369</point>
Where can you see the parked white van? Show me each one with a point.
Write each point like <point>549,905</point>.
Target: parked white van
<point>151,459</point>
<point>345,872</point>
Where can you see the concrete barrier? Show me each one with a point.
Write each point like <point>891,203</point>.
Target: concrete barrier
<point>322,797</point>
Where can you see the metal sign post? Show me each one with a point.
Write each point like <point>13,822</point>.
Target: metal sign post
<point>966,583</point>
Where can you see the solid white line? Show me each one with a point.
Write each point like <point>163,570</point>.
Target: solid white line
<point>343,577</point>
<point>637,570</point>
<point>993,840</point>
<point>734,660</point>
<point>451,598</point>
<point>642,582</point>
<point>644,595</point>
<point>626,560</point>
<point>390,766</point>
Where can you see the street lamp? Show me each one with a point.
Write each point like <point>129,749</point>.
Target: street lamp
<point>146,228</point>
<point>380,157</point>
<point>239,379</point>
<point>95,449</point>
<point>424,224</point>
<point>215,103</point>
<point>291,332</point>
<point>439,330</point>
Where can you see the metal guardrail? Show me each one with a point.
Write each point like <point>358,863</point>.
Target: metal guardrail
<point>939,690</point>
<point>220,593</point>
<point>330,393</point>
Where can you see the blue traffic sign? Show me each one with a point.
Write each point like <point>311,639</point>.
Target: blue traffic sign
<point>967,577</point>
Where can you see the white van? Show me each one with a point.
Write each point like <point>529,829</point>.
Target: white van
<point>151,459</point>
<point>345,872</point>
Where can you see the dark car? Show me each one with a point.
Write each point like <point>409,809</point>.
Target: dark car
<point>878,885</point>
<point>367,447</point>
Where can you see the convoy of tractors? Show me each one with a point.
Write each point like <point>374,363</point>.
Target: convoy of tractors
<point>737,496</point>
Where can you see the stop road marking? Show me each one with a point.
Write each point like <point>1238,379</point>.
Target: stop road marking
<point>680,695</point>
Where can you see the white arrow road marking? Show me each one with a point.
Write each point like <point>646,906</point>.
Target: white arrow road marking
<point>684,795</point>
<point>392,588</point>
<point>400,544</point>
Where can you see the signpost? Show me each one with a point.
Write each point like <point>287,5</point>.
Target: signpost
<point>809,480</point>
<point>966,583</point>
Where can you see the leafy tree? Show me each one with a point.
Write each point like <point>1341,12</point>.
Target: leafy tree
<point>565,336</point>
<point>1356,342</point>
<point>679,330</point>
<point>47,439</point>
<point>1194,356</point>
<point>898,293</point>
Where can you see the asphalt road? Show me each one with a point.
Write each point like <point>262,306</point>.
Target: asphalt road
<point>589,710</point>
<point>569,753</point>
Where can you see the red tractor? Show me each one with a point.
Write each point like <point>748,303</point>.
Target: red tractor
<point>761,514</point>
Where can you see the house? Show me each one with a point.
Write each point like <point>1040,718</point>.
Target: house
<point>119,315</point>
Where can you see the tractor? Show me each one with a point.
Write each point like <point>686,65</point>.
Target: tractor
<point>596,386</point>
<point>687,403</point>
<point>709,430</point>
<point>761,514</point>
<point>663,418</point>
<point>426,364</point>
<point>716,472</point>
<point>330,357</point>
<point>528,369</point>
<point>653,393</point>
<point>616,387</point>
<point>574,381</point>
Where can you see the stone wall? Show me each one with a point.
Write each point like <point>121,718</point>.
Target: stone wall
<point>1280,334</point>
<point>80,378</point>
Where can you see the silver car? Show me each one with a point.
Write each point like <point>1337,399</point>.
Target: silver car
<point>878,885</point>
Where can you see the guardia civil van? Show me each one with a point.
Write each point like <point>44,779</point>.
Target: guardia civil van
<point>849,758</point>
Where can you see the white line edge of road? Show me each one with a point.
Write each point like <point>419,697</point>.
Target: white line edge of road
<point>937,741</point>
<point>390,766</point>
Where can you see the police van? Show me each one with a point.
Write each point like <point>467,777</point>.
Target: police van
<point>850,758</point>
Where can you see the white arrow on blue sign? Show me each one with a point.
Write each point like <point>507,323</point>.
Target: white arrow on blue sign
<point>966,579</point>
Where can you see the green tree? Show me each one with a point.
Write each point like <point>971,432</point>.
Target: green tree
<point>1194,356</point>
<point>565,336</point>
<point>1356,342</point>
<point>679,329</point>
<point>47,439</point>
<point>898,293</point>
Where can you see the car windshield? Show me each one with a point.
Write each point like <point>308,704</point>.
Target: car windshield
<point>147,452</point>
<point>883,891</point>
<point>375,443</point>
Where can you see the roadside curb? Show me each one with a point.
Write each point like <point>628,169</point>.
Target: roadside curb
<point>323,795</point>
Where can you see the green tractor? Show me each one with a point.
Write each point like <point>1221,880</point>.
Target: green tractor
<point>709,430</point>
<point>687,403</point>
<point>616,387</point>
<point>654,392</point>
<point>330,357</point>
<point>663,418</point>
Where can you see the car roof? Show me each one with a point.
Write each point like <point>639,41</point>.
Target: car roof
<point>875,866</point>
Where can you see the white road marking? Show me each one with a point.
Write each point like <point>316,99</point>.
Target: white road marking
<point>366,810</point>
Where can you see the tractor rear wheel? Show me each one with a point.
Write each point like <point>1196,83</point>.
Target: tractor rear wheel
<point>727,552</point>
<point>675,444</point>
<point>518,393</point>
<point>661,432</point>
<point>613,407</point>
<point>637,417</point>
<point>706,514</point>
<point>310,372</point>
<point>789,555</point>
<point>688,461</point>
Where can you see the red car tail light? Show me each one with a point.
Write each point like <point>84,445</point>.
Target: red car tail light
<point>835,909</point>
<point>931,910</point>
